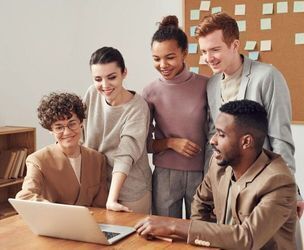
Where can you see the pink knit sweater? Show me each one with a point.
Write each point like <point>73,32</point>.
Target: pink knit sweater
<point>178,108</point>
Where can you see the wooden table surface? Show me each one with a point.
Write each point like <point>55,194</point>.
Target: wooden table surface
<point>14,234</point>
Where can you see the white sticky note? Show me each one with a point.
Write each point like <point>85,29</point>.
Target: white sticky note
<point>250,45</point>
<point>192,48</point>
<point>205,5</point>
<point>239,9</point>
<point>282,7</point>
<point>253,55</point>
<point>194,14</point>
<point>299,38</point>
<point>267,8</point>
<point>265,45</point>
<point>202,60</point>
<point>265,23</point>
<point>216,10</point>
<point>242,25</point>
<point>298,6</point>
<point>194,69</point>
<point>192,30</point>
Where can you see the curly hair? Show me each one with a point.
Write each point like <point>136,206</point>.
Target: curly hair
<point>59,106</point>
<point>250,117</point>
<point>168,30</point>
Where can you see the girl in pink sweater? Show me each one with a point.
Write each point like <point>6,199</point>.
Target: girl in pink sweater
<point>177,102</point>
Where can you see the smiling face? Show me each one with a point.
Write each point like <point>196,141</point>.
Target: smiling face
<point>217,54</point>
<point>226,142</point>
<point>67,132</point>
<point>168,58</point>
<point>108,79</point>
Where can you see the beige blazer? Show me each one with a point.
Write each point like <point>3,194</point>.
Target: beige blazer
<point>51,177</point>
<point>263,206</point>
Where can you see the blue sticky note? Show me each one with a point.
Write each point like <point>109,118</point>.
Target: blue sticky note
<point>192,48</point>
<point>194,14</point>
<point>253,55</point>
<point>194,69</point>
<point>192,30</point>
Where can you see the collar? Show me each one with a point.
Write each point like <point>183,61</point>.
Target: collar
<point>180,78</point>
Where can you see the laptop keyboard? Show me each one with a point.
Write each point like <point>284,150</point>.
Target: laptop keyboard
<point>110,235</point>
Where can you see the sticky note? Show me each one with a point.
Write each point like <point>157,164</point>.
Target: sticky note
<point>299,38</point>
<point>265,45</point>
<point>298,6</point>
<point>253,55</point>
<point>267,8</point>
<point>239,9</point>
<point>250,45</point>
<point>205,5</point>
<point>192,30</point>
<point>265,23</point>
<point>194,14</point>
<point>242,25</point>
<point>216,10</point>
<point>194,69</point>
<point>282,7</point>
<point>192,48</point>
<point>202,60</point>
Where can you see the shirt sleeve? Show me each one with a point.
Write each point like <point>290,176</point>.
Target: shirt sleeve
<point>32,187</point>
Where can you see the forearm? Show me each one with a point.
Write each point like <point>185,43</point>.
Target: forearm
<point>159,145</point>
<point>118,179</point>
<point>180,228</point>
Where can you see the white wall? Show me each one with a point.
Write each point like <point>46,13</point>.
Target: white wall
<point>46,45</point>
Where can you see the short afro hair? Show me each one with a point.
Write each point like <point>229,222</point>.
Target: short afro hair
<point>250,117</point>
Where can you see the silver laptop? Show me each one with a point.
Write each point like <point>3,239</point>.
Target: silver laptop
<point>67,222</point>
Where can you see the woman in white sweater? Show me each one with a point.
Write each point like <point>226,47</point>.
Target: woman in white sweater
<point>117,125</point>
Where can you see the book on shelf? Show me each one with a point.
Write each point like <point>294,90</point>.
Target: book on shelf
<point>12,163</point>
<point>22,168</point>
<point>5,156</point>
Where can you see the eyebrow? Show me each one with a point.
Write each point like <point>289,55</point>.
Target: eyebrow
<point>170,54</point>
<point>215,47</point>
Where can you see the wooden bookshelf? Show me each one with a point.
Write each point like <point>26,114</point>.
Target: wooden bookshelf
<point>12,137</point>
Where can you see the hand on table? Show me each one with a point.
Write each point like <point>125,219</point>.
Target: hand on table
<point>115,206</point>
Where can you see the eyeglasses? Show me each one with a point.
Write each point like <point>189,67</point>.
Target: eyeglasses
<point>73,125</point>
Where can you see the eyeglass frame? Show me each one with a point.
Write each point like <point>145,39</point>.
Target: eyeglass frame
<point>63,127</point>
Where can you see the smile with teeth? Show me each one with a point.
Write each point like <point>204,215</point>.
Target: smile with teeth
<point>166,72</point>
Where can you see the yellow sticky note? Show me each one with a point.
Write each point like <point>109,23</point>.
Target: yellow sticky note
<point>194,14</point>
<point>265,45</point>
<point>239,9</point>
<point>267,8</point>
<point>205,5</point>
<point>298,6</point>
<point>282,7</point>
<point>265,23</point>
<point>242,25</point>
<point>250,45</point>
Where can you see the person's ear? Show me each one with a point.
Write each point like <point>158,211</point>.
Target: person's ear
<point>124,74</point>
<point>236,44</point>
<point>247,141</point>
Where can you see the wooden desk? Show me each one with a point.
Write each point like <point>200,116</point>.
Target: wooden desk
<point>14,234</point>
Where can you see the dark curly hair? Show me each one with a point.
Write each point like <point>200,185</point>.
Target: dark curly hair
<point>59,106</point>
<point>250,117</point>
<point>168,30</point>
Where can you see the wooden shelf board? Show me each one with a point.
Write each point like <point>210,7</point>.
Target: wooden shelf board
<point>11,182</point>
<point>6,210</point>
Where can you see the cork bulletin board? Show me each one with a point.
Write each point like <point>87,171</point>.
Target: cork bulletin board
<point>273,32</point>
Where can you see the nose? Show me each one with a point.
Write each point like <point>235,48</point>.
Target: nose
<point>213,140</point>
<point>163,63</point>
<point>208,57</point>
